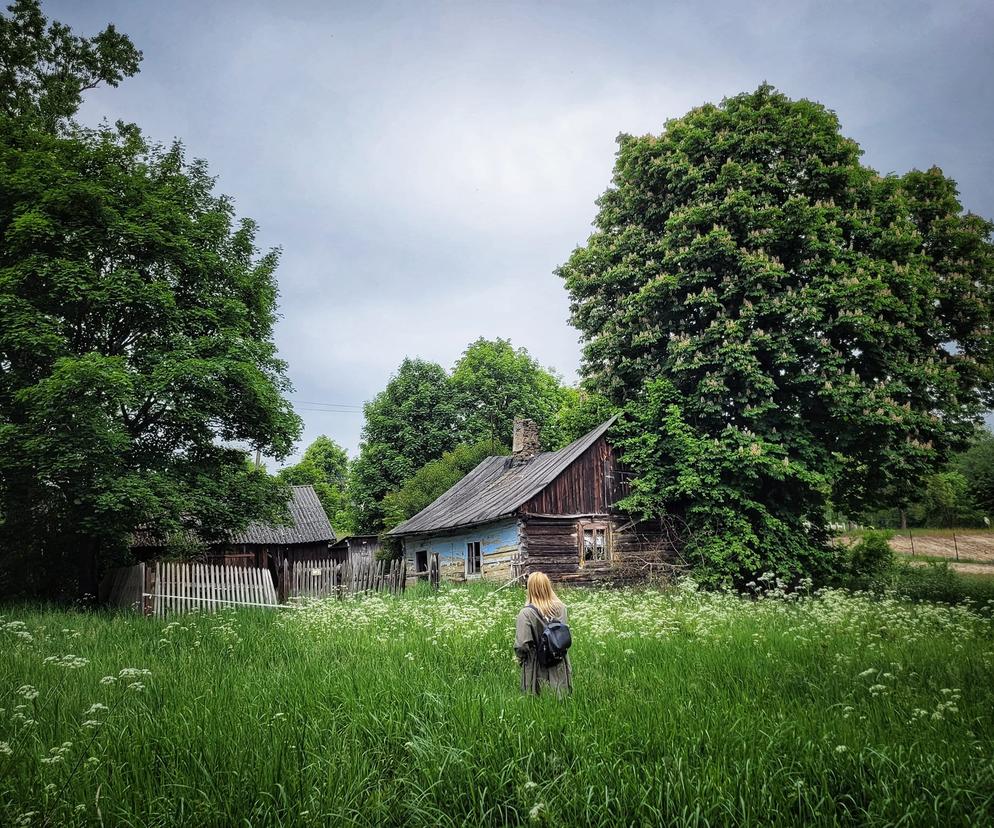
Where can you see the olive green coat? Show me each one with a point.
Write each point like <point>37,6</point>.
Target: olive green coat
<point>528,631</point>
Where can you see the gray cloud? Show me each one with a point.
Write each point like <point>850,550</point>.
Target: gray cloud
<point>425,167</point>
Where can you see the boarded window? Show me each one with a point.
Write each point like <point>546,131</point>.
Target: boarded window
<point>595,542</point>
<point>473,560</point>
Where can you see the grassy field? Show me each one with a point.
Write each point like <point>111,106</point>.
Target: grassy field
<point>689,709</point>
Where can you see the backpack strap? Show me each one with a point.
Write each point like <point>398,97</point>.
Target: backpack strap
<point>538,612</point>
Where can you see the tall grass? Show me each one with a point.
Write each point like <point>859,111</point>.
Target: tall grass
<point>689,709</point>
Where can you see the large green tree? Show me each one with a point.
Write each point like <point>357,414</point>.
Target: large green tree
<point>45,68</point>
<point>784,326</point>
<point>976,464</point>
<point>494,382</point>
<point>411,422</point>
<point>136,325</point>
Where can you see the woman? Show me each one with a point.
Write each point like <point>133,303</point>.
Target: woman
<point>542,602</point>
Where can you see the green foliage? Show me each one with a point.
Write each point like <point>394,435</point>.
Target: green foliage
<point>136,345</point>
<point>946,500</point>
<point>424,412</point>
<point>870,561</point>
<point>774,316</point>
<point>824,711</point>
<point>960,494</point>
<point>976,465</point>
<point>722,488</point>
<point>323,465</point>
<point>937,581</point>
<point>329,458</point>
<point>412,421</point>
<point>580,412</point>
<point>493,383</point>
<point>45,68</point>
<point>434,479</point>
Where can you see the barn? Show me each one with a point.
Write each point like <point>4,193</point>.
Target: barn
<point>549,511</point>
<point>308,537</point>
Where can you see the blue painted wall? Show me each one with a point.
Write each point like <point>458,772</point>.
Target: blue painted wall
<point>498,547</point>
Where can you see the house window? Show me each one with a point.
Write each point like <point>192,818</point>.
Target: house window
<point>595,542</point>
<point>473,559</point>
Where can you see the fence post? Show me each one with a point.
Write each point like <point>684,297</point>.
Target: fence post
<point>955,546</point>
<point>148,588</point>
<point>284,590</point>
<point>911,535</point>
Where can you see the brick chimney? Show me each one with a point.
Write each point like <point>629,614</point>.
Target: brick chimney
<point>525,443</point>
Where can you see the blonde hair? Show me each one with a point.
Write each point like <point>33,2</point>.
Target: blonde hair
<point>542,596</point>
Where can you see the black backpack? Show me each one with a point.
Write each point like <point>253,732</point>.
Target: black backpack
<point>554,641</point>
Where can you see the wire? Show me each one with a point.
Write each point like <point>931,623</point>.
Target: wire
<point>344,408</point>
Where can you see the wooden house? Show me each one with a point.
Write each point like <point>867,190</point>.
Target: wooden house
<point>308,537</point>
<point>549,511</point>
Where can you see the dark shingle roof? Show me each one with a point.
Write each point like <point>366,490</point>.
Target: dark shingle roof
<point>496,488</point>
<point>310,523</point>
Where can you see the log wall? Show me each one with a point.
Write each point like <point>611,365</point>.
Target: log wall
<point>552,545</point>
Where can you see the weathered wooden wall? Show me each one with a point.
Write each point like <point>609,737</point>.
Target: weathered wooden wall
<point>589,485</point>
<point>551,545</point>
<point>498,548</point>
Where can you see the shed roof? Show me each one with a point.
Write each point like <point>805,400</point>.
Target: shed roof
<point>310,523</point>
<point>496,488</point>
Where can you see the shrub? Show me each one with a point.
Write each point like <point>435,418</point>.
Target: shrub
<point>936,581</point>
<point>870,561</point>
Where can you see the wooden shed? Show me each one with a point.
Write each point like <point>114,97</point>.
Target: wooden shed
<point>548,511</point>
<point>308,537</point>
<point>355,548</point>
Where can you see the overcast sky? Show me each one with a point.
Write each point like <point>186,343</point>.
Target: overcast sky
<point>425,167</point>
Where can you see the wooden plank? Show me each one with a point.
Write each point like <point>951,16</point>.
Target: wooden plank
<point>215,585</point>
<point>198,586</point>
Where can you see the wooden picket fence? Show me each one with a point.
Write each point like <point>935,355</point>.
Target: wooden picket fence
<point>181,587</point>
<point>322,579</point>
<point>165,588</point>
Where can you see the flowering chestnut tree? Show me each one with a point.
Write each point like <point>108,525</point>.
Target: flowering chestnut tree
<point>785,327</point>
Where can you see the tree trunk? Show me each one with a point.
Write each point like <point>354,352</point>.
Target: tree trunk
<point>904,519</point>
<point>89,566</point>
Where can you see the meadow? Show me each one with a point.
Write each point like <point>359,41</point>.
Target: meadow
<point>690,708</point>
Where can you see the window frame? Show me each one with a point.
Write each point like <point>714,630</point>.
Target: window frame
<point>594,526</point>
<point>474,551</point>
